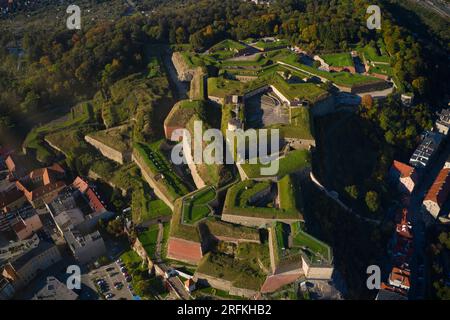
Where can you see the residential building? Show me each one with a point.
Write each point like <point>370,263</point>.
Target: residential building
<point>42,185</point>
<point>6,289</point>
<point>404,228</point>
<point>86,248</point>
<point>443,123</point>
<point>23,269</point>
<point>18,248</point>
<point>95,202</point>
<point>400,278</point>
<point>447,164</point>
<point>407,99</point>
<point>11,199</point>
<point>78,228</point>
<point>189,285</point>
<point>390,293</point>
<point>438,193</point>
<point>55,290</point>
<point>405,176</point>
<point>426,151</point>
<point>25,223</point>
<point>18,165</point>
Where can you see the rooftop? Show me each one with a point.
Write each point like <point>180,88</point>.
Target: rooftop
<point>402,168</point>
<point>55,290</point>
<point>440,189</point>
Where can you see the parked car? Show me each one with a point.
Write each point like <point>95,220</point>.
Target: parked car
<point>109,296</point>
<point>128,278</point>
<point>123,269</point>
<point>118,285</point>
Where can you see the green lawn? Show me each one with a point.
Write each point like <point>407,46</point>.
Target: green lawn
<point>236,203</point>
<point>158,164</point>
<point>287,192</point>
<point>294,161</point>
<point>196,206</point>
<point>316,249</point>
<point>117,138</point>
<point>272,44</point>
<point>300,91</point>
<point>338,59</point>
<point>239,272</point>
<point>149,239</point>
<point>219,228</point>
<point>340,78</point>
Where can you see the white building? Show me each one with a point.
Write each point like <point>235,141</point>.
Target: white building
<point>443,123</point>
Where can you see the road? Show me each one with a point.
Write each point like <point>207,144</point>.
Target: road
<point>419,280</point>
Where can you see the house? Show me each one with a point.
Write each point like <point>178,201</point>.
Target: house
<point>42,185</point>
<point>85,247</point>
<point>447,164</point>
<point>15,249</point>
<point>189,285</point>
<point>407,99</point>
<point>26,223</point>
<point>22,270</point>
<point>438,193</point>
<point>404,228</point>
<point>425,152</point>
<point>78,229</point>
<point>6,289</point>
<point>400,278</point>
<point>55,290</point>
<point>18,165</point>
<point>390,293</point>
<point>404,175</point>
<point>96,204</point>
<point>443,123</point>
<point>11,199</point>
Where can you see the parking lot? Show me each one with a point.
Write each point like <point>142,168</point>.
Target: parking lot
<point>113,283</point>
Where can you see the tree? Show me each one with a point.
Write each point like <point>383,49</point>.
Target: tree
<point>352,191</point>
<point>143,288</point>
<point>372,201</point>
<point>420,85</point>
<point>367,101</point>
<point>115,227</point>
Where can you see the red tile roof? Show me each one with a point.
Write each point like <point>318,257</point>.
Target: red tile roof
<point>440,189</point>
<point>404,169</point>
<point>94,201</point>
<point>81,185</point>
<point>401,276</point>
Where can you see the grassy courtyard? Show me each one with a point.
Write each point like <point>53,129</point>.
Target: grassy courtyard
<point>292,162</point>
<point>196,207</point>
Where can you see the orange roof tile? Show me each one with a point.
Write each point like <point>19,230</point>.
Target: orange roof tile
<point>440,189</point>
<point>404,169</point>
